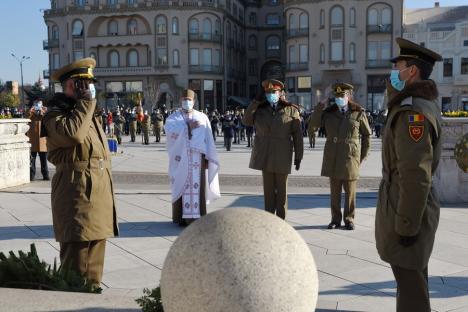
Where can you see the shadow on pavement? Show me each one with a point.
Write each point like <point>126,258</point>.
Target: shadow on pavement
<point>304,201</point>
<point>450,287</point>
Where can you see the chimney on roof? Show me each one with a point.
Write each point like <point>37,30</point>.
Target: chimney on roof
<point>437,4</point>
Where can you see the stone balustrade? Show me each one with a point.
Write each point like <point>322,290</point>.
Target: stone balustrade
<point>450,182</point>
<point>14,152</point>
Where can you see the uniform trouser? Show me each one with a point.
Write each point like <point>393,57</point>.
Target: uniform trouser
<point>275,187</point>
<point>412,290</point>
<point>85,258</point>
<point>249,140</point>
<point>228,143</point>
<point>214,132</point>
<point>132,134</point>
<point>349,186</point>
<point>146,136</point>
<point>236,136</point>
<point>312,141</point>
<point>44,167</point>
<point>157,133</point>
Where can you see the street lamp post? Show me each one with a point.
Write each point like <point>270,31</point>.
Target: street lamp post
<point>20,61</point>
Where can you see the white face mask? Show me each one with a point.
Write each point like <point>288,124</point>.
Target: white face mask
<point>187,104</point>
<point>92,89</point>
<point>38,105</point>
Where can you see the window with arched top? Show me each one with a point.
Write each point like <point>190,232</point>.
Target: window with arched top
<point>337,16</point>
<point>77,28</point>
<point>352,17</point>
<point>352,52</point>
<point>253,19</point>
<point>272,19</point>
<point>193,26</point>
<point>373,17</point>
<point>336,33</point>
<point>175,25</point>
<point>322,53</point>
<point>303,21</point>
<point>207,26</point>
<point>113,28</point>
<point>114,59</point>
<point>322,19</point>
<point>132,58</point>
<point>132,27</point>
<point>386,16</point>
<point>175,58</point>
<point>161,25</point>
<point>292,21</point>
<point>54,33</point>
<point>253,42</point>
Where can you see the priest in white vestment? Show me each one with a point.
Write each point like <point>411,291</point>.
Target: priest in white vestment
<point>193,161</point>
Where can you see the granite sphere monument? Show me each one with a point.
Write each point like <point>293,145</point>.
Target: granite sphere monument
<point>239,260</point>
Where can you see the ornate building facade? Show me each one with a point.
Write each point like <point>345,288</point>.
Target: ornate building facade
<point>223,49</point>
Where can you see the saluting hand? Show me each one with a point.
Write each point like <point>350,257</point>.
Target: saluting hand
<point>82,91</point>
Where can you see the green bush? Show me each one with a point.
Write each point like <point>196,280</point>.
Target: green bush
<point>151,301</point>
<point>28,272</point>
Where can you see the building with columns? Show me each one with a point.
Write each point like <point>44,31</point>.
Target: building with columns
<point>223,49</point>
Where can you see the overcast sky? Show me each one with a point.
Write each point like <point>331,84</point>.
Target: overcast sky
<point>22,30</point>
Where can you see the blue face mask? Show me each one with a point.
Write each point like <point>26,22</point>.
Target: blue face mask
<point>272,98</point>
<point>395,80</point>
<point>341,102</point>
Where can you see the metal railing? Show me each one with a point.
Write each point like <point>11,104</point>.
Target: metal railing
<point>206,69</point>
<point>49,44</point>
<point>210,37</point>
<point>297,32</point>
<point>379,64</point>
<point>387,28</point>
<point>297,66</point>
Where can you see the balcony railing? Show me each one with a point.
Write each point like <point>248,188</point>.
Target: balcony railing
<point>205,37</point>
<point>46,74</point>
<point>297,66</point>
<point>297,32</point>
<point>379,64</point>
<point>273,53</point>
<point>386,29</point>
<point>49,44</point>
<point>206,69</point>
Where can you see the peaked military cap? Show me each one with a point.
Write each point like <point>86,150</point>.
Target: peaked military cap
<point>188,93</point>
<point>82,68</point>
<point>272,85</point>
<point>411,50</point>
<point>340,88</point>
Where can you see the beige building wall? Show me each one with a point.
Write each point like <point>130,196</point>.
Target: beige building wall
<point>227,64</point>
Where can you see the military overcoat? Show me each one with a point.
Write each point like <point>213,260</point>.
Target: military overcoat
<point>407,204</point>
<point>83,206</point>
<point>278,134</point>
<point>348,140</point>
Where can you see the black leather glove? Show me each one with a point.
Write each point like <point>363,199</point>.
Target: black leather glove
<point>82,91</point>
<point>408,241</point>
<point>297,164</point>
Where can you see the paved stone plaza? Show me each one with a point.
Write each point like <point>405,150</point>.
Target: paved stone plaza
<point>351,275</point>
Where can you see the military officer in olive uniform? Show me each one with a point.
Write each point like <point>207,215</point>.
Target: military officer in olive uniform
<point>347,145</point>
<point>158,123</point>
<point>133,125</point>
<point>278,135</point>
<point>119,122</point>
<point>407,209</point>
<point>146,127</point>
<point>83,205</point>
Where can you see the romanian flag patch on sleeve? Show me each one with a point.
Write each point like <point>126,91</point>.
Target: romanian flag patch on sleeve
<point>416,118</point>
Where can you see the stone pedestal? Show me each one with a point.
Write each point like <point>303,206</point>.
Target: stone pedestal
<point>450,182</point>
<point>239,259</point>
<point>14,152</point>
